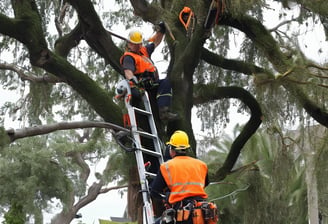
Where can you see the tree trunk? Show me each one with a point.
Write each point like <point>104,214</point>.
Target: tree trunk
<point>309,150</point>
<point>63,218</point>
<point>312,188</point>
<point>134,197</point>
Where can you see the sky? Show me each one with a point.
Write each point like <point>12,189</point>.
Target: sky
<point>105,206</point>
<point>111,204</point>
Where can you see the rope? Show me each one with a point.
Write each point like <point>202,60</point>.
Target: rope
<point>232,193</point>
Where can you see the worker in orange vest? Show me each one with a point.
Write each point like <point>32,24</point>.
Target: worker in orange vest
<point>183,177</point>
<point>142,74</point>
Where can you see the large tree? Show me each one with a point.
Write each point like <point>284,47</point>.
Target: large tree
<point>76,67</point>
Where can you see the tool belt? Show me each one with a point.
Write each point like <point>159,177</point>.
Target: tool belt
<point>199,212</point>
<point>148,80</point>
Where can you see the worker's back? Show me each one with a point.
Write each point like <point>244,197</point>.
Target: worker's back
<point>185,176</point>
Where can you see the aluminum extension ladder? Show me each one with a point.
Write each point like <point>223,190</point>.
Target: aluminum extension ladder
<point>123,88</point>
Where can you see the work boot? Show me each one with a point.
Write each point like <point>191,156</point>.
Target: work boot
<point>166,115</point>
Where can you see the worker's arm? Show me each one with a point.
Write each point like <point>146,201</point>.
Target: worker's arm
<point>128,68</point>
<point>158,186</point>
<point>207,181</point>
<point>158,37</point>
<point>128,74</point>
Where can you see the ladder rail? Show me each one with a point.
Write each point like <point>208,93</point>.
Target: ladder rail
<point>139,150</point>
<point>148,211</point>
<point>152,126</point>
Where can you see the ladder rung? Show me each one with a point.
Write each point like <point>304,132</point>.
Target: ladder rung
<point>150,152</point>
<point>150,174</point>
<point>141,111</point>
<point>146,134</point>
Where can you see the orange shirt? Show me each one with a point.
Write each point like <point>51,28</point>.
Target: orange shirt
<point>185,177</point>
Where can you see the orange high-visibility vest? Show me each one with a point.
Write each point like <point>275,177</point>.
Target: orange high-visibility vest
<point>185,177</point>
<point>142,61</point>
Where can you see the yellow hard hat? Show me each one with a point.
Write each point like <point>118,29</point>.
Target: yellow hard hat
<point>135,37</point>
<point>179,140</point>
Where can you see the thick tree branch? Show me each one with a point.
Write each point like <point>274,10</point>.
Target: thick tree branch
<point>95,34</point>
<point>28,30</point>
<point>30,33</point>
<point>46,129</point>
<point>212,92</point>
<point>93,192</point>
<point>97,97</point>
<point>264,41</point>
<point>6,26</point>
<point>229,64</point>
<point>33,78</point>
<point>312,108</point>
<point>146,11</point>
<point>65,43</point>
<point>79,160</point>
<point>261,37</point>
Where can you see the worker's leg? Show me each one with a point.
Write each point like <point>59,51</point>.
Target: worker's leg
<point>136,96</point>
<point>164,93</point>
<point>164,97</point>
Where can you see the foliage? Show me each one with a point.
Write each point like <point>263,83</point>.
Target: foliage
<point>4,139</point>
<point>31,169</point>
<point>38,170</point>
<point>15,215</point>
<point>254,192</point>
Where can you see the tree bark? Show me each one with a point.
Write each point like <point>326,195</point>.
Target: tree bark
<point>310,174</point>
<point>46,129</point>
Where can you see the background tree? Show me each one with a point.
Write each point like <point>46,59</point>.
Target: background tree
<point>76,66</point>
<point>271,180</point>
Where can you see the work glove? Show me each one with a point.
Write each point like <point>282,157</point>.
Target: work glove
<point>134,80</point>
<point>136,89</point>
<point>162,27</point>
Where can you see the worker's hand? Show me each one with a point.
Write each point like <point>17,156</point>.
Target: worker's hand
<point>162,27</point>
<point>134,80</point>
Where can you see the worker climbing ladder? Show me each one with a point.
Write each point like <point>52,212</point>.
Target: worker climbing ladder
<point>123,90</point>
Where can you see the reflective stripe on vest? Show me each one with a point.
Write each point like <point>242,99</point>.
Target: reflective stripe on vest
<point>185,177</point>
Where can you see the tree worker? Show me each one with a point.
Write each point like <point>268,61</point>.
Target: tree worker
<point>141,72</point>
<point>184,178</point>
